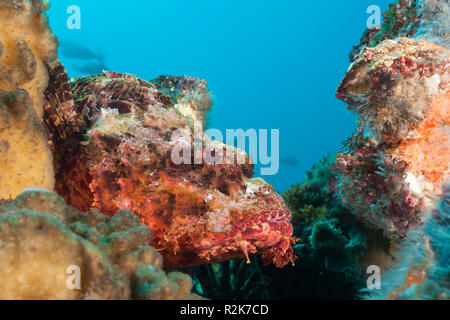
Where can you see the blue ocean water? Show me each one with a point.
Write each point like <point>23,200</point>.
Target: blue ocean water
<point>270,64</point>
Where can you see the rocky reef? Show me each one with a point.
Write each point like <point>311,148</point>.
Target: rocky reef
<point>27,45</point>
<point>394,167</point>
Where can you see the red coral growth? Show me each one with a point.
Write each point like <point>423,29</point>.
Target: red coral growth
<point>372,183</point>
<point>391,87</point>
<point>400,92</point>
<point>400,20</point>
<point>429,152</point>
<point>414,277</point>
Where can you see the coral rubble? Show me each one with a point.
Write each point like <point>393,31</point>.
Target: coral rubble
<point>117,154</point>
<point>41,239</point>
<point>26,46</point>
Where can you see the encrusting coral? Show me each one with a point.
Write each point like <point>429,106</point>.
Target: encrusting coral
<point>372,184</point>
<point>396,163</point>
<point>42,239</point>
<point>397,86</point>
<point>418,19</point>
<point>400,91</point>
<point>26,46</point>
<point>114,138</point>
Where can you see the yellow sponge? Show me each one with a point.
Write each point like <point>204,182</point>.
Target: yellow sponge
<point>27,46</point>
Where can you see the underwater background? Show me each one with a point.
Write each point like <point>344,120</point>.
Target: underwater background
<point>91,182</point>
<point>269,64</point>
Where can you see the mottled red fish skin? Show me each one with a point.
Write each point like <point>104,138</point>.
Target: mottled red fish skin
<point>200,213</point>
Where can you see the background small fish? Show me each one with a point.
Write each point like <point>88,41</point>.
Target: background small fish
<point>77,51</point>
<point>290,161</point>
<point>90,68</point>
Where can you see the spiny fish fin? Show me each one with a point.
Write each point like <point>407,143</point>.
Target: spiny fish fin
<point>61,119</point>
